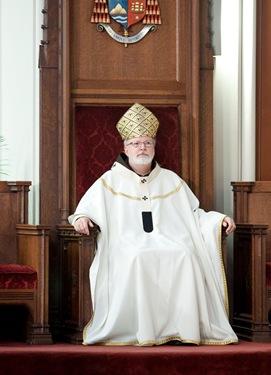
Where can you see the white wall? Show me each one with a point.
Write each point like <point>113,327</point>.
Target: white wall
<point>20,34</point>
<point>234,101</point>
<point>227,99</point>
<point>234,108</point>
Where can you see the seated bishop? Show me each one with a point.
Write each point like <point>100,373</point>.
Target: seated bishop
<point>157,277</point>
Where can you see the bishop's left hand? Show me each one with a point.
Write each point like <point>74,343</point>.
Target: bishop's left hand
<point>229,224</point>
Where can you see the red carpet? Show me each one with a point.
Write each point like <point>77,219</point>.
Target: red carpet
<point>244,358</point>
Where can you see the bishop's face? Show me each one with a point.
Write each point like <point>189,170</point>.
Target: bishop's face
<point>140,150</point>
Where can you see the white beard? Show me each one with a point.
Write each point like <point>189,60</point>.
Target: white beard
<point>141,160</point>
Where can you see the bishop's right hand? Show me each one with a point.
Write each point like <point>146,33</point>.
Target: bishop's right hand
<point>83,224</point>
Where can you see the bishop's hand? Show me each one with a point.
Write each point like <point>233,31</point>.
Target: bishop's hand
<point>83,224</point>
<point>229,224</point>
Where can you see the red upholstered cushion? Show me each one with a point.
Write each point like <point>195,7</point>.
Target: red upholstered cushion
<point>17,276</point>
<point>268,274</point>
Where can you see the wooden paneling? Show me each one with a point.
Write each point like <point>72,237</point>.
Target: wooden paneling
<point>51,129</point>
<point>250,316</point>
<point>263,108</point>
<point>252,249</point>
<point>155,65</point>
<point>205,131</point>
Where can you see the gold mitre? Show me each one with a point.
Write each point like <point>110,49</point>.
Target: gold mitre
<point>138,121</point>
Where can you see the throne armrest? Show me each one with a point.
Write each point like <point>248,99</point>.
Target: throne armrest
<point>33,246</point>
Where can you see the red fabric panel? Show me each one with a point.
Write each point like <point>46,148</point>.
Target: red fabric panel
<point>98,142</point>
<point>17,276</point>
<point>268,274</point>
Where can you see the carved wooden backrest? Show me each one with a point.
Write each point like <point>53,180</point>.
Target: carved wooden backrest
<point>14,210</point>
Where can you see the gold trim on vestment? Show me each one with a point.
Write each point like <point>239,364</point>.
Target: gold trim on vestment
<point>219,236</point>
<point>162,342</point>
<point>174,191</point>
<point>118,192</point>
<point>170,193</point>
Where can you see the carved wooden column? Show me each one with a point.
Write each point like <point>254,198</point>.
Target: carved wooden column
<point>241,189</point>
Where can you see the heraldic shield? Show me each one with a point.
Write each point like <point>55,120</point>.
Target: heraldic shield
<point>127,12</point>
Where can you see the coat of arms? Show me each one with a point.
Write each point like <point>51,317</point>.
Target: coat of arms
<point>126,13</point>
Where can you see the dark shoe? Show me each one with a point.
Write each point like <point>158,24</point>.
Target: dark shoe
<point>174,342</point>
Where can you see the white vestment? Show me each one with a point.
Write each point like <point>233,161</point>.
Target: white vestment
<point>148,288</point>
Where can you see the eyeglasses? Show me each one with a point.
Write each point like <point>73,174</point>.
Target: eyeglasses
<point>139,144</point>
